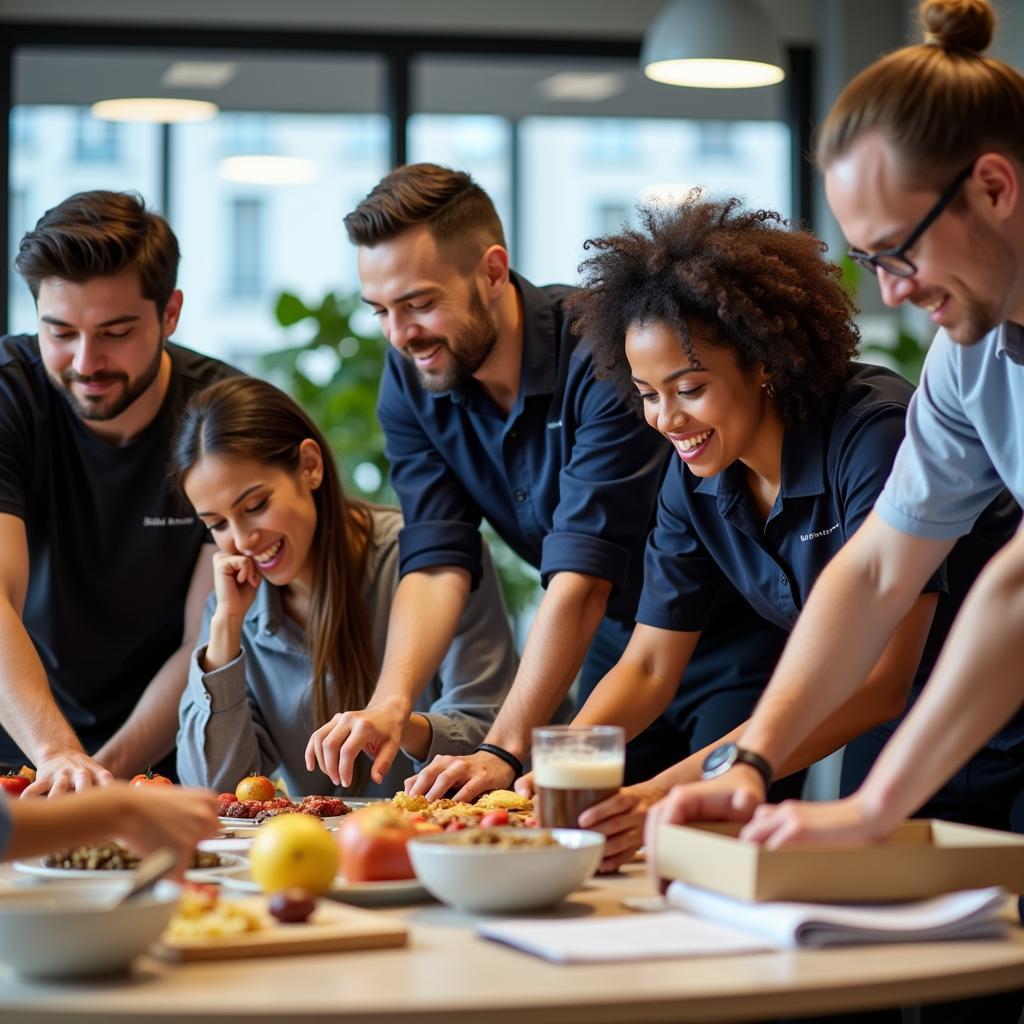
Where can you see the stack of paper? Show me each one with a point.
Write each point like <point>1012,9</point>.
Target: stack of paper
<point>961,915</point>
<point>630,937</point>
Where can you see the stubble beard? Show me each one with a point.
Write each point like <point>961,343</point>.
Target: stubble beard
<point>984,312</point>
<point>468,350</point>
<point>108,409</point>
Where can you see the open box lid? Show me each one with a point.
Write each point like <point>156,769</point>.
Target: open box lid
<point>922,858</point>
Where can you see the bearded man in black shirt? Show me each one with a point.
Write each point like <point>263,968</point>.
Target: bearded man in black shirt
<point>103,572</point>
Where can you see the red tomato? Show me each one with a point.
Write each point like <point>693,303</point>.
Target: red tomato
<point>13,783</point>
<point>255,787</point>
<point>494,818</point>
<point>454,826</point>
<point>372,841</point>
<point>149,779</point>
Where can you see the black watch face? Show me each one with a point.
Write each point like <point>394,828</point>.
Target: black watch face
<point>720,758</point>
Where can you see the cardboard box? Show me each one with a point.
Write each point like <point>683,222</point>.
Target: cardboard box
<point>923,858</point>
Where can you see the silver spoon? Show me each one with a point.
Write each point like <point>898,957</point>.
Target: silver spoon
<point>150,870</point>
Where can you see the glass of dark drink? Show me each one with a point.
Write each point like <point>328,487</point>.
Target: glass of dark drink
<point>575,768</point>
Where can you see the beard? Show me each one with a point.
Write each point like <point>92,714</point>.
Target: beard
<point>108,407</point>
<point>982,312</point>
<point>468,349</point>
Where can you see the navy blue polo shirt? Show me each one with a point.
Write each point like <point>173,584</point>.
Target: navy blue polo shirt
<point>833,469</point>
<point>568,478</point>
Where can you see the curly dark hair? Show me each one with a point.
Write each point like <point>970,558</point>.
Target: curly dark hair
<point>766,292</point>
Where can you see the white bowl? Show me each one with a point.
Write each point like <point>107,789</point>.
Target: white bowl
<point>67,929</point>
<point>487,879</point>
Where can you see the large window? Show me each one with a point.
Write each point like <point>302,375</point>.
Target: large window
<point>243,242</point>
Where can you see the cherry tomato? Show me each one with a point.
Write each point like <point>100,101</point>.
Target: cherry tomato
<point>149,779</point>
<point>255,787</point>
<point>13,783</point>
<point>454,826</point>
<point>494,818</point>
<point>372,841</point>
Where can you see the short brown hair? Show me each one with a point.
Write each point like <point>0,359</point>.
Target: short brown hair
<point>940,103</point>
<point>450,203</point>
<point>98,234</point>
<point>766,293</point>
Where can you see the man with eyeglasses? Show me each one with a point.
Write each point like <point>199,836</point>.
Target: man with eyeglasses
<point>934,207</point>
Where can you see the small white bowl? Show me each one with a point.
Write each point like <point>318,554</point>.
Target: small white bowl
<point>69,929</point>
<point>489,879</point>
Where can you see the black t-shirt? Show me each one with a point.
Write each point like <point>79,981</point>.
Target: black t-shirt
<point>112,546</point>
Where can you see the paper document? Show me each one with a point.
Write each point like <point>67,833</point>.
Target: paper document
<point>629,937</point>
<point>960,915</point>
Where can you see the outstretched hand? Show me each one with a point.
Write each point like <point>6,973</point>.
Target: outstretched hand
<point>472,775</point>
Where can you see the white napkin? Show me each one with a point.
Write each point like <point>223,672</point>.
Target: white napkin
<point>628,937</point>
<point>960,915</point>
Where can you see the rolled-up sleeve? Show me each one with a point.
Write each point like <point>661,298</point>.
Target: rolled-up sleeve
<point>221,737</point>
<point>680,577</point>
<point>606,488</point>
<point>443,521</point>
<point>942,478</point>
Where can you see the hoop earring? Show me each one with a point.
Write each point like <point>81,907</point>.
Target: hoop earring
<point>768,388</point>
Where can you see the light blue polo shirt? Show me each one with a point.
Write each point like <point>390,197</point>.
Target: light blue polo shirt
<point>964,439</point>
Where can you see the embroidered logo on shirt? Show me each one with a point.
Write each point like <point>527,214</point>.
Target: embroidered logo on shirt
<point>168,520</point>
<point>819,533</point>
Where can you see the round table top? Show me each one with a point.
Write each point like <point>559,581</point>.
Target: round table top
<point>448,973</point>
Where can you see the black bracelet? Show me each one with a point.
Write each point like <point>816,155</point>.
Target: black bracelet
<point>505,755</point>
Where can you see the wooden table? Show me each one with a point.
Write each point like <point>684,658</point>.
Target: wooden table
<point>447,974</point>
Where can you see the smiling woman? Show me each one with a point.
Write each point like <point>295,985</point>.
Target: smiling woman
<point>735,337</point>
<point>295,634</point>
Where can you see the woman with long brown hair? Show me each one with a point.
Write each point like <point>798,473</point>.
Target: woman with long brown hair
<point>296,629</point>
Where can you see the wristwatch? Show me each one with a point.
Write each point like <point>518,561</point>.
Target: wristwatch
<point>722,758</point>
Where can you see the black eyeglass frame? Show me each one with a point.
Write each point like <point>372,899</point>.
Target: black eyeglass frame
<point>902,265</point>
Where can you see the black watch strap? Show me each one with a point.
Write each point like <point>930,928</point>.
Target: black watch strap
<point>723,757</point>
<point>758,762</point>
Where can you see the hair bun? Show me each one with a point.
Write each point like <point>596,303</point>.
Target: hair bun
<point>964,25</point>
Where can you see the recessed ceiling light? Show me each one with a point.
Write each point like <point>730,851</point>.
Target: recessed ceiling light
<point>198,74</point>
<point>582,86</point>
<point>154,109</point>
<point>268,170</point>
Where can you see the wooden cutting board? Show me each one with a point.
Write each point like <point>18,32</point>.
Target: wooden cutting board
<point>332,928</point>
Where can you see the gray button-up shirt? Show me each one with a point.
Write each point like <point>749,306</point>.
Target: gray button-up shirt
<point>256,713</point>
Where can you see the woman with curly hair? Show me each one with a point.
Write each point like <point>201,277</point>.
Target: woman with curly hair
<point>736,339</point>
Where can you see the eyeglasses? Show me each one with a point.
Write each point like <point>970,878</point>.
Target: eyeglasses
<point>895,261</point>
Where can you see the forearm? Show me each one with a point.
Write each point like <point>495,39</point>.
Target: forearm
<point>643,683</point>
<point>976,686</point>
<point>417,736</point>
<point>568,616</point>
<point>417,642</point>
<point>830,652</point>
<point>42,826</point>
<point>148,733</point>
<point>27,708</point>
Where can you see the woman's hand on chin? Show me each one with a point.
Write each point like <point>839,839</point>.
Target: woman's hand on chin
<point>235,580</point>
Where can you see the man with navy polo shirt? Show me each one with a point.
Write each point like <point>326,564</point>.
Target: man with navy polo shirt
<point>491,409</point>
<point>103,571</point>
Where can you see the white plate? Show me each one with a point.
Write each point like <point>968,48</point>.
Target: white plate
<point>364,894</point>
<point>36,866</point>
<point>241,823</point>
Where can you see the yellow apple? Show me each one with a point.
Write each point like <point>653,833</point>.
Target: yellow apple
<point>293,851</point>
